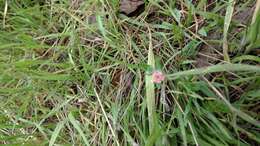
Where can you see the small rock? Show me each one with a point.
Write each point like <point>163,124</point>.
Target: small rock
<point>130,6</point>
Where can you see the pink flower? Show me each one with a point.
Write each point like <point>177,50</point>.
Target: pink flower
<point>158,77</point>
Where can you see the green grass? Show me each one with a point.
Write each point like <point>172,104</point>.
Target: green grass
<point>80,74</point>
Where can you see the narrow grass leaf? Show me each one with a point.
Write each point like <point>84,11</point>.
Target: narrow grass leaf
<point>228,17</point>
<point>149,85</point>
<point>253,34</point>
<point>257,7</point>
<point>56,109</point>
<point>219,125</point>
<point>246,57</point>
<point>153,137</point>
<point>101,26</point>
<point>49,76</point>
<point>38,126</point>
<point>216,68</point>
<point>56,132</point>
<point>249,134</point>
<point>76,125</point>
<point>212,140</point>
<point>182,127</point>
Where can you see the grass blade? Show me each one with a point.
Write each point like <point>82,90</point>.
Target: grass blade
<point>56,132</point>
<point>105,115</point>
<point>239,113</point>
<point>216,68</point>
<point>149,85</point>
<point>257,8</point>
<point>246,57</point>
<point>75,124</point>
<point>182,127</point>
<point>228,17</point>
